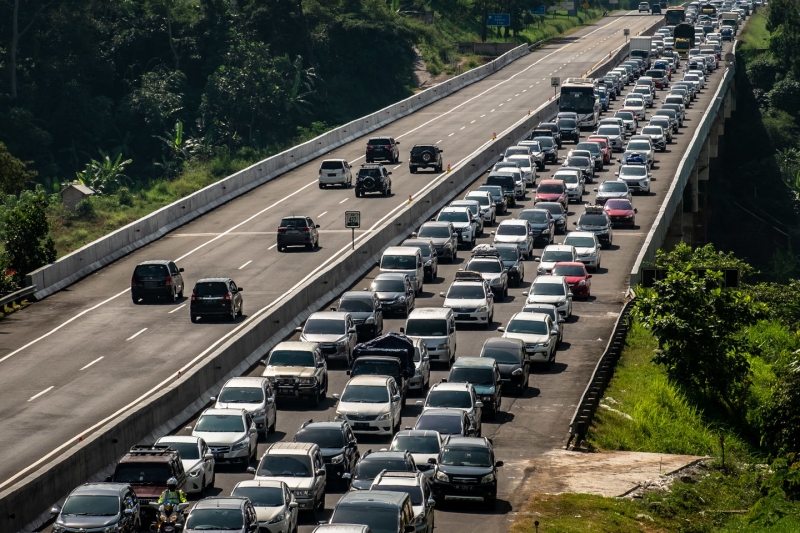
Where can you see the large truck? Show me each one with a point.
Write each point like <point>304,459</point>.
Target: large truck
<point>731,19</point>
<point>684,39</point>
<point>640,48</point>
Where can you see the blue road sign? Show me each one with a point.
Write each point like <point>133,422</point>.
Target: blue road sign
<point>538,11</point>
<point>498,19</point>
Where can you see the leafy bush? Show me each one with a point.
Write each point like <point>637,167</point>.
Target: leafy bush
<point>785,95</point>
<point>24,227</point>
<point>85,209</point>
<point>762,72</point>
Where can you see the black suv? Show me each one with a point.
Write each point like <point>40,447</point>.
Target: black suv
<point>383,148</point>
<point>154,279</point>
<point>551,127</point>
<point>216,296</point>
<point>466,467</point>
<point>595,220</point>
<point>425,156</point>
<point>365,308</point>
<point>373,463</point>
<point>373,178</point>
<point>337,445</point>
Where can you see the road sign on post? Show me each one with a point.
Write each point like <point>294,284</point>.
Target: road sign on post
<point>498,19</point>
<point>352,220</point>
<point>585,5</point>
<point>555,82</point>
<point>540,10</point>
<point>626,32</point>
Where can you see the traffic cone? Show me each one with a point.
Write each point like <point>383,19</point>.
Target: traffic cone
<point>409,199</point>
<point>448,168</point>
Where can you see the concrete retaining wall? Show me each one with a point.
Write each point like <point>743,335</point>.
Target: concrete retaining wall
<point>70,268</point>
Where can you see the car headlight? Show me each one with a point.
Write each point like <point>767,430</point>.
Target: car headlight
<point>58,528</point>
<point>196,472</point>
<point>488,478</point>
<point>441,476</point>
<point>370,320</point>
<point>495,281</point>
<point>341,343</point>
<point>278,518</point>
<point>384,416</point>
<point>486,399</point>
<point>581,283</point>
<point>429,262</point>
<point>561,302</point>
<point>308,381</point>
<point>629,216</point>
<point>483,308</point>
<point>241,445</point>
<point>545,344</point>
<point>442,347</point>
<point>337,459</point>
<point>302,493</point>
<point>401,299</point>
<point>258,412</point>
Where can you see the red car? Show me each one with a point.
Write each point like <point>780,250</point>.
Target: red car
<point>621,212</point>
<point>578,279</point>
<point>552,191</point>
<point>605,146</point>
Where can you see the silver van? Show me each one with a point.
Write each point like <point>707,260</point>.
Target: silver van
<point>405,260</point>
<point>436,327</point>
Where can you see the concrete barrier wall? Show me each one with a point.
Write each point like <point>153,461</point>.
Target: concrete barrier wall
<point>70,268</point>
<point>658,232</point>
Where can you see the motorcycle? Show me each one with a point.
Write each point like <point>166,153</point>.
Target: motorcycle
<point>169,517</point>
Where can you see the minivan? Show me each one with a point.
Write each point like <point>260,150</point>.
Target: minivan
<point>436,327</point>
<point>383,511</point>
<point>405,260</point>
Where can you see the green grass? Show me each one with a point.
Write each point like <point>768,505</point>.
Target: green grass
<point>755,36</point>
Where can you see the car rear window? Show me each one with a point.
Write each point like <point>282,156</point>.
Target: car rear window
<point>374,172</point>
<point>150,271</point>
<point>331,165</point>
<point>419,149</point>
<point>550,188</point>
<point>379,141</point>
<point>293,223</point>
<point>210,288</point>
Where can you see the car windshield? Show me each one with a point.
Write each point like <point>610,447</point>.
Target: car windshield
<point>378,519</point>
<point>652,130</point>
<point>436,232</point>
<point>632,170</point>
<point>472,456</point>
<point>365,394</point>
<point>535,146</point>
<point>568,270</point>
<point>279,465</point>
<point>567,123</point>
<point>555,209</point>
<point>322,437</point>
<point>378,141</point>
<point>548,310</point>
<point>547,289</point>
<point>321,326</point>
<point>512,229</point>
<point>416,444</point>
<point>151,271</point>
<point>508,255</point>
<point>619,204</point>
<point>399,262</point>
<point>414,492</point>
<point>545,142</point>
<point>485,267</point>
<point>91,505</point>
<point>530,327</point>
<point>466,291</point>
<point>476,376</point>
<point>450,398</point>
<point>425,327</point>
<point>356,305</point>
<point>220,423</point>
<point>550,188</point>
<point>187,450</point>
<point>554,256</point>
<point>610,186</point>
<point>388,285</point>
<point>612,131</point>
<point>517,151</point>
<point>207,519</point>
<point>502,354</point>
<point>592,220</point>
<point>475,209</point>
<point>537,217</point>
<point>241,395</point>
<point>639,145</point>
<point>444,424</point>
<point>331,165</point>
<point>567,178</point>
<point>419,149</point>
<point>483,200</point>
<point>370,468</point>
<point>577,161</point>
<point>261,496</point>
<point>580,242</point>
<point>624,115</point>
<point>453,216</point>
<point>592,147</point>
<point>142,473</point>
<point>291,358</point>
<point>641,90</point>
<point>210,288</point>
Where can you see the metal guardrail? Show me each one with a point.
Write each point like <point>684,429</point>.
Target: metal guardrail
<point>17,296</point>
<point>603,372</point>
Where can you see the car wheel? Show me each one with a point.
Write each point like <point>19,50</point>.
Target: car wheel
<point>310,246</point>
<point>232,316</point>
<point>135,300</point>
<point>413,170</point>
<point>317,397</point>
<point>386,192</point>
<point>505,292</point>
<point>194,319</point>
<point>407,311</point>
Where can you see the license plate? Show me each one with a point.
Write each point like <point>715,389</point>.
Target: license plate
<point>462,316</point>
<point>293,231</point>
<point>464,487</point>
<point>331,175</point>
<point>151,284</point>
<point>360,425</point>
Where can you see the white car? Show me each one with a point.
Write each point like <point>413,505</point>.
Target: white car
<point>370,405</point>
<point>464,223</point>
<point>470,298</point>
<point>587,246</point>
<point>335,172</point>
<point>555,253</point>
<point>527,165</point>
<point>629,119</point>
<point>274,503</point>
<point>573,180</point>
<point>637,105</point>
<point>231,434</point>
<point>645,92</point>
<point>253,394</point>
<point>536,152</point>
<point>422,444</point>
<point>198,461</point>
<point>488,207</point>
<point>643,147</point>
<point>460,396</point>
<point>537,332</point>
<point>615,134</point>
<point>515,231</point>
<point>551,290</point>
<point>475,208</point>
<point>701,77</point>
<point>636,176</point>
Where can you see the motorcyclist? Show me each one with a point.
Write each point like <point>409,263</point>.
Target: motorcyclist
<point>172,494</point>
<point>634,159</point>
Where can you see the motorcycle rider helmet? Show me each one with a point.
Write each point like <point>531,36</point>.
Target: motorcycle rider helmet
<point>172,484</point>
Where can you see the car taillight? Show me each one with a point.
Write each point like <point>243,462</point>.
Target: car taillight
<point>194,297</point>
<point>227,296</point>
<point>281,230</point>
<point>306,230</point>
<point>369,147</point>
<point>169,281</point>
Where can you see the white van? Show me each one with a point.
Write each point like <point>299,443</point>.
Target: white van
<point>436,327</point>
<point>335,172</point>
<point>405,260</point>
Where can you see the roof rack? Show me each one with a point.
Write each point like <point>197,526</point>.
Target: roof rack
<point>468,275</point>
<point>156,449</point>
<point>593,209</point>
<point>484,250</point>
<point>398,473</point>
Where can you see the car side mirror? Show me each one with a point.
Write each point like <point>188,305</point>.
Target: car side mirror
<point>213,399</point>
<point>501,329</point>
<point>347,475</point>
<point>396,398</point>
<point>336,396</point>
<point>478,404</point>
<point>595,190</point>
<point>635,210</point>
<point>253,430</point>
<point>208,456</point>
<point>320,472</point>
<point>317,225</point>
<point>351,330</point>
<point>389,173</point>
<point>402,330</point>
<point>240,289</point>
<point>128,512</point>
<point>298,329</point>
<point>441,151</point>
<point>431,502</point>
<point>251,470</point>
<point>442,294</point>
<point>263,362</point>
<point>419,403</point>
<point>426,358</point>
<point>55,510</point>
<point>397,143</point>
<point>569,295</point>
<point>347,372</point>
<point>180,270</point>
<point>293,505</point>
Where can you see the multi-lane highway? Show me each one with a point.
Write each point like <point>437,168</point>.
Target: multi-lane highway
<point>76,358</point>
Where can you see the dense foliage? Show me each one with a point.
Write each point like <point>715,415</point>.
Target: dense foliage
<point>25,230</point>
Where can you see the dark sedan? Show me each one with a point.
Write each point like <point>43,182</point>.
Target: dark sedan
<point>542,225</point>
<point>216,297</point>
<point>512,360</point>
<point>466,471</point>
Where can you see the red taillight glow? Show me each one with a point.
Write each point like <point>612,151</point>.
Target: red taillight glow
<point>369,147</point>
<point>169,281</point>
<point>281,230</point>
<point>194,297</point>
<point>227,296</point>
<point>133,281</point>
<point>306,230</point>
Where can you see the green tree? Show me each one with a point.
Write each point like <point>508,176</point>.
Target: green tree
<point>784,27</point>
<point>24,227</point>
<point>14,174</point>
<point>785,95</point>
<point>684,256</point>
<point>695,321</point>
<point>106,175</point>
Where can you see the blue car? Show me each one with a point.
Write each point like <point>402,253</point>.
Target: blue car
<point>603,96</point>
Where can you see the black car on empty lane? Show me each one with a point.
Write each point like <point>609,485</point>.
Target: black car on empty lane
<point>216,297</point>
<point>156,279</point>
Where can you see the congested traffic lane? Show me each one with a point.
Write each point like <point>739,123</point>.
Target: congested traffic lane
<point>80,338</point>
<point>536,422</point>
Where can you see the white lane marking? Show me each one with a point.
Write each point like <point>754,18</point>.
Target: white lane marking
<point>451,134</point>
<point>524,90</point>
<point>90,364</point>
<point>244,265</point>
<point>492,111</point>
<point>273,246</point>
<point>322,214</point>
<point>481,116</point>
<point>462,127</point>
<point>515,95</point>
<point>395,168</point>
<point>473,122</point>
<point>177,309</point>
<point>343,201</point>
<point>48,389</point>
<point>440,140</point>
<point>160,386</point>
<point>508,100</point>
<point>136,334</point>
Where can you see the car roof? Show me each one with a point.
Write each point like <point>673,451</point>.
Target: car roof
<point>429,312</point>
<point>246,381</point>
<point>212,280</point>
<point>297,346</point>
<point>380,497</point>
<point>513,222</point>
<point>329,315</point>
<point>358,295</point>
<point>291,448</point>
<point>452,386</point>
<point>100,489</point>
<point>418,433</point>
<point>549,279</point>
<point>437,223</point>
<point>288,217</point>
<point>213,411</point>
<point>398,479</point>
<point>166,439</point>
<point>368,380</point>
<point>469,442</point>
<point>155,262</point>
<point>221,502</point>
<point>551,182</point>
<point>473,362</point>
<point>579,234</point>
<point>529,317</point>
<point>559,247</point>
<point>267,483</point>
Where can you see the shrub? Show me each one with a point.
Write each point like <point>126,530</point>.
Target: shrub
<point>785,95</point>
<point>85,209</point>
<point>762,72</point>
